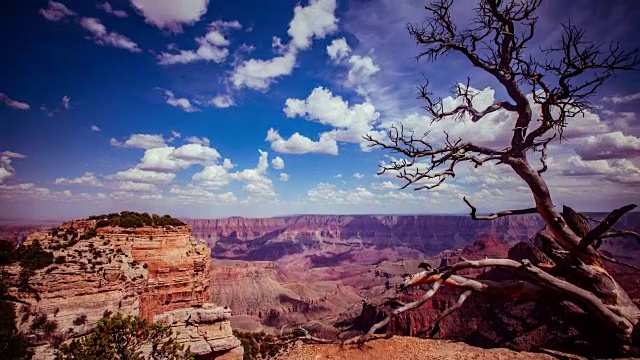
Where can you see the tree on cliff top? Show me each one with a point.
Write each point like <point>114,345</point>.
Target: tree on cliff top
<point>560,80</point>
<point>126,338</point>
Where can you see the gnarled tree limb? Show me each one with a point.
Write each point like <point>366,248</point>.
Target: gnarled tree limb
<point>605,225</point>
<point>498,214</point>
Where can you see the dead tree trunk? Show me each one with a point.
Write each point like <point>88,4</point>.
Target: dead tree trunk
<point>560,86</point>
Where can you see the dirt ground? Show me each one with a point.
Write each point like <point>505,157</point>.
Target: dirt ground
<point>406,348</point>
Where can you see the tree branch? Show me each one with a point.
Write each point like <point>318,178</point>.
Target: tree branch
<point>498,214</point>
<point>436,326</point>
<point>605,225</point>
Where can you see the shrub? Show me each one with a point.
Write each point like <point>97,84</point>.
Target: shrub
<point>60,259</point>
<point>80,320</point>
<point>33,257</point>
<point>107,341</point>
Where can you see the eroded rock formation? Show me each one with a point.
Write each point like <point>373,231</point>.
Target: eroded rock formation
<point>147,271</point>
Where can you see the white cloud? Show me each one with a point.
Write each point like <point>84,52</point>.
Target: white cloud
<point>87,179</point>
<point>95,128</point>
<point>211,47</point>
<point>196,153</point>
<point>350,122</point>
<point>142,176</point>
<point>195,194</point>
<point>202,141</point>
<point>171,159</point>
<point>6,170</point>
<point>284,177</point>
<point>618,171</point>
<point>362,68</point>
<point>227,164</point>
<point>160,159</point>
<point>358,176</point>
<point>66,102</point>
<point>222,101</point>
<point>259,74</point>
<point>299,144</point>
<point>56,12</point>
<point>338,49</point>
<point>224,25</point>
<point>182,103</point>
<point>621,99</point>
<point>103,37</point>
<point>257,185</point>
<point>212,176</point>
<point>614,145</point>
<point>170,14</point>
<point>14,103</point>
<point>142,141</point>
<point>174,135</point>
<point>108,9</point>
<point>315,20</point>
<point>277,163</point>
<point>385,185</point>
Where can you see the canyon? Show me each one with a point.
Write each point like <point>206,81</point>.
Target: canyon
<point>158,273</point>
<point>331,273</point>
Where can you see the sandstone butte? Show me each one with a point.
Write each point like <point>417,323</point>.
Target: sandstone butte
<point>159,273</point>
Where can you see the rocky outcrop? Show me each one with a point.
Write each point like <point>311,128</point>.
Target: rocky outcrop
<point>147,271</point>
<point>206,330</point>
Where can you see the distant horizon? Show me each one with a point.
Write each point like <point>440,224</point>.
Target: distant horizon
<point>52,220</point>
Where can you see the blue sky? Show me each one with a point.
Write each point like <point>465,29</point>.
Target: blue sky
<point>215,109</point>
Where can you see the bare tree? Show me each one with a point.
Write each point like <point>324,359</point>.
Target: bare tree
<point>498,42</point>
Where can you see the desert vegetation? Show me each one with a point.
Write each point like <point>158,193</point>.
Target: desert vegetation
<point>130,219</point>
<point>125,337</point>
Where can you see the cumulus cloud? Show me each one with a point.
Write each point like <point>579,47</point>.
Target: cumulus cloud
<point>101,36</point>
<point>257,185</point>
<point>87,179</point>
<point>169,14</point>
<point>202,141</point>
<point>181,103</point>
<point>14,103</point>
<point>212,176</point>
<point>350,122</point>
<point>171,159</point>
<point>299,144</point>
<point>142,176</point>
<point>621,99</point>
<point>259,74</point>
<point>284,177</point>
<point>620,171</point>
<point>614,145</point>
<point>227,164</point>
<point>141,141</point>
<point>56,12</point>
<point>211,47</point>
<point>6,170</point>
<point>315,20</point>
<point>362,68</point>
<point>95,128</point>
<point>222,101</point>
<point>358,176</point>
<point>277,163</point>
<point>110,10</point>
<point>338,49</point>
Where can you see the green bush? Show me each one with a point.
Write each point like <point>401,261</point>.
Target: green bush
<point>119,337</point>
<point>130,219</point>
<point>32,256</point>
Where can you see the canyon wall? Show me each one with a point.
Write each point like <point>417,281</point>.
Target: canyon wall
<point>150,272</point>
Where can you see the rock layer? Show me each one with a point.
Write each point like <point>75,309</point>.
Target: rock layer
<point>146,272</point>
